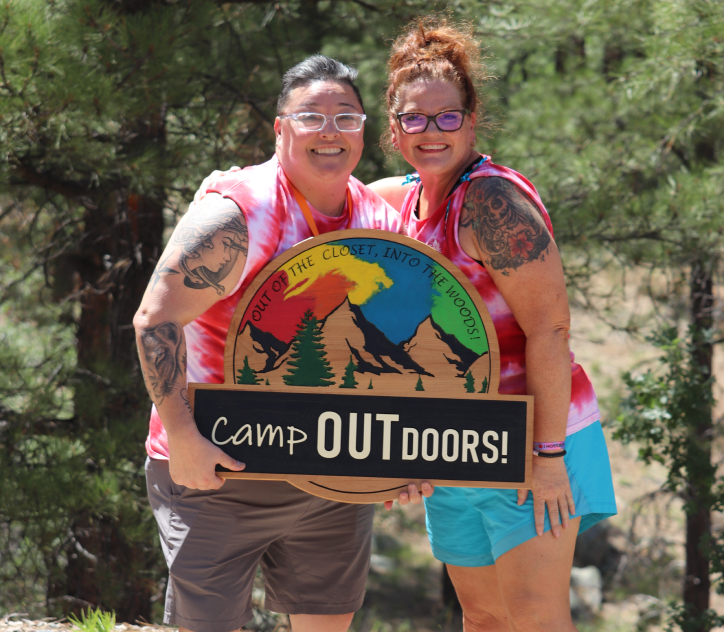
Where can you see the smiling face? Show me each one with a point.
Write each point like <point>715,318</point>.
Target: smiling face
<point>434,152</point>
<point>328,155</point>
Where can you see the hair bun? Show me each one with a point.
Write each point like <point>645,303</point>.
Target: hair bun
<point>432,48</point>
<point>435,43</point>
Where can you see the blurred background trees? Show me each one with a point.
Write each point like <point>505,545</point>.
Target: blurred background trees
<point>112,112</point>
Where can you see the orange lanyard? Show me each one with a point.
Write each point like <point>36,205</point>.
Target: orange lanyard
<point>307,212</point>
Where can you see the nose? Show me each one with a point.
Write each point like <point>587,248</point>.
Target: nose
<point>330,129</point>
<point>429,127</point>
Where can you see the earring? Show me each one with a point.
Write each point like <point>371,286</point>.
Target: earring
<point>394,145</point>
<point>472,143</point>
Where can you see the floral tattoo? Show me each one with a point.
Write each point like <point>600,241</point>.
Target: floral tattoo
<point>507,226</point>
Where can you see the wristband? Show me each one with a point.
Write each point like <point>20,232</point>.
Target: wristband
<point>550,455</point>
<point>553,445</point>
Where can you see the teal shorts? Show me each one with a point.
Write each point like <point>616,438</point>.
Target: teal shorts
<point>474,527</point>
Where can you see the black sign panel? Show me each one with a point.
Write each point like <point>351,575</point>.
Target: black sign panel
<point>351,435</point>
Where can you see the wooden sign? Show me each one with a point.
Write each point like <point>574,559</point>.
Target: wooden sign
<point>360,361</point>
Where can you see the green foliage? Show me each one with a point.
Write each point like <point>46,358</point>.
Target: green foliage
<point>682,617</point>
<point>419,386</point>
<point>247,375</point>
<point>369,388</point>
<point>665,411</point>
<point>308,363</point>
<point>95,621</point>
<point>349,381</point>
<point>484,385</point>
<point>111,113</point>
<point>624,142</point>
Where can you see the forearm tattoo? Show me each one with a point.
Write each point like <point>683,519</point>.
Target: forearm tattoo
<point>209,244</point>
<point>164,350</point>
<point>506,225</point>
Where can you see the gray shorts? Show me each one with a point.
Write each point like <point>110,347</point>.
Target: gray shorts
<point>314,553</point>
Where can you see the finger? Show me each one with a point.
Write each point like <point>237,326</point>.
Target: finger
<point>427,489</point>
<point>571,502</point>
<point>539,513</point>
<point>403,498</point>
<point>563,507</point>
<point>215,483</point>
<point>415,497</point>
<point>230,463</point>
<point>553,517</point>
<point>388,504</point>
<point>522,496</point>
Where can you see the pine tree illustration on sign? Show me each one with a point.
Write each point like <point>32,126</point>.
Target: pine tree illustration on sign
<point>247,375</point>
<point>419,386</point>
<point>469,382</point>
<point>308,363</point>
<point>484,388</point>
<point>349,381</point>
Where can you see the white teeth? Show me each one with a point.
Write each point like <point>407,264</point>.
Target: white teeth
<point>328,150</point>
<point>433,146</point>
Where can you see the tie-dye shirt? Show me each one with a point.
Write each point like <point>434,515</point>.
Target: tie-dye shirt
<point>440,231</point>
<point>275,223</point>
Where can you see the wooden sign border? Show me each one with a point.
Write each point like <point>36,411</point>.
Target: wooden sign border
<point>367,488</point>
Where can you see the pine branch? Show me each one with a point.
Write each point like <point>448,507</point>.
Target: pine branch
<point>3,76</point>
<point>70,190</point>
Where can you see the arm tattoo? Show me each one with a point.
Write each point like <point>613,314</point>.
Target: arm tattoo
<point>210,246</point>
<point>162,270</point>
<point>508,227</point>
<point>164,350</point>
<point>185,397</point>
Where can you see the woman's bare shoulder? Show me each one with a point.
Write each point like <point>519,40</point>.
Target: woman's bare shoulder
<point>392,190</point>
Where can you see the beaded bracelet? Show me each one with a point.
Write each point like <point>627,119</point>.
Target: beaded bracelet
<point>550,455</point>
<point>554,445</point>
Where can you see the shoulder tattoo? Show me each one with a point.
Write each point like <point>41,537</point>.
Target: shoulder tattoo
<point>209,245</point>
<point>506,225</point>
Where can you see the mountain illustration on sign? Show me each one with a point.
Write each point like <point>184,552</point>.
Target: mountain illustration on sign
<point>309,359</point>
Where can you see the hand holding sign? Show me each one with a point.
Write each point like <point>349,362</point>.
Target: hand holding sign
<point>360,362</point>
<point>194,459</point>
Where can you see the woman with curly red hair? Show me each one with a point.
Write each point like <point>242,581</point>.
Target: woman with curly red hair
<point>509,554</point>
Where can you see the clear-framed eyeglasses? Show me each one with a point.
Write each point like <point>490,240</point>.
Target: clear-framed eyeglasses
<point>315,122</point>
<point>417,123</point>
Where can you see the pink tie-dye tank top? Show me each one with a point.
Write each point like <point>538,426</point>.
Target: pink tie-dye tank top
<point>275,223</point>
<point>440,231</point>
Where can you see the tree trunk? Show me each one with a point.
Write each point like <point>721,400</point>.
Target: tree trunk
<point>698,522</point>
<point>106,566</point>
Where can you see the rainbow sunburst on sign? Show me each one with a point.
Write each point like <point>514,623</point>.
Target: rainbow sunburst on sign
<point>363,313</point>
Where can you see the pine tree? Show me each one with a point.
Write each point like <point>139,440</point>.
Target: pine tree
<point>484,387</point>
<point>247,375</point>
<point>349,381</point>
<point>469,382</point>
<point>309,365</point>
<point>419,386</point>
<point>267,381</point>
<point>111,112</point>
<point>369,388</point>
